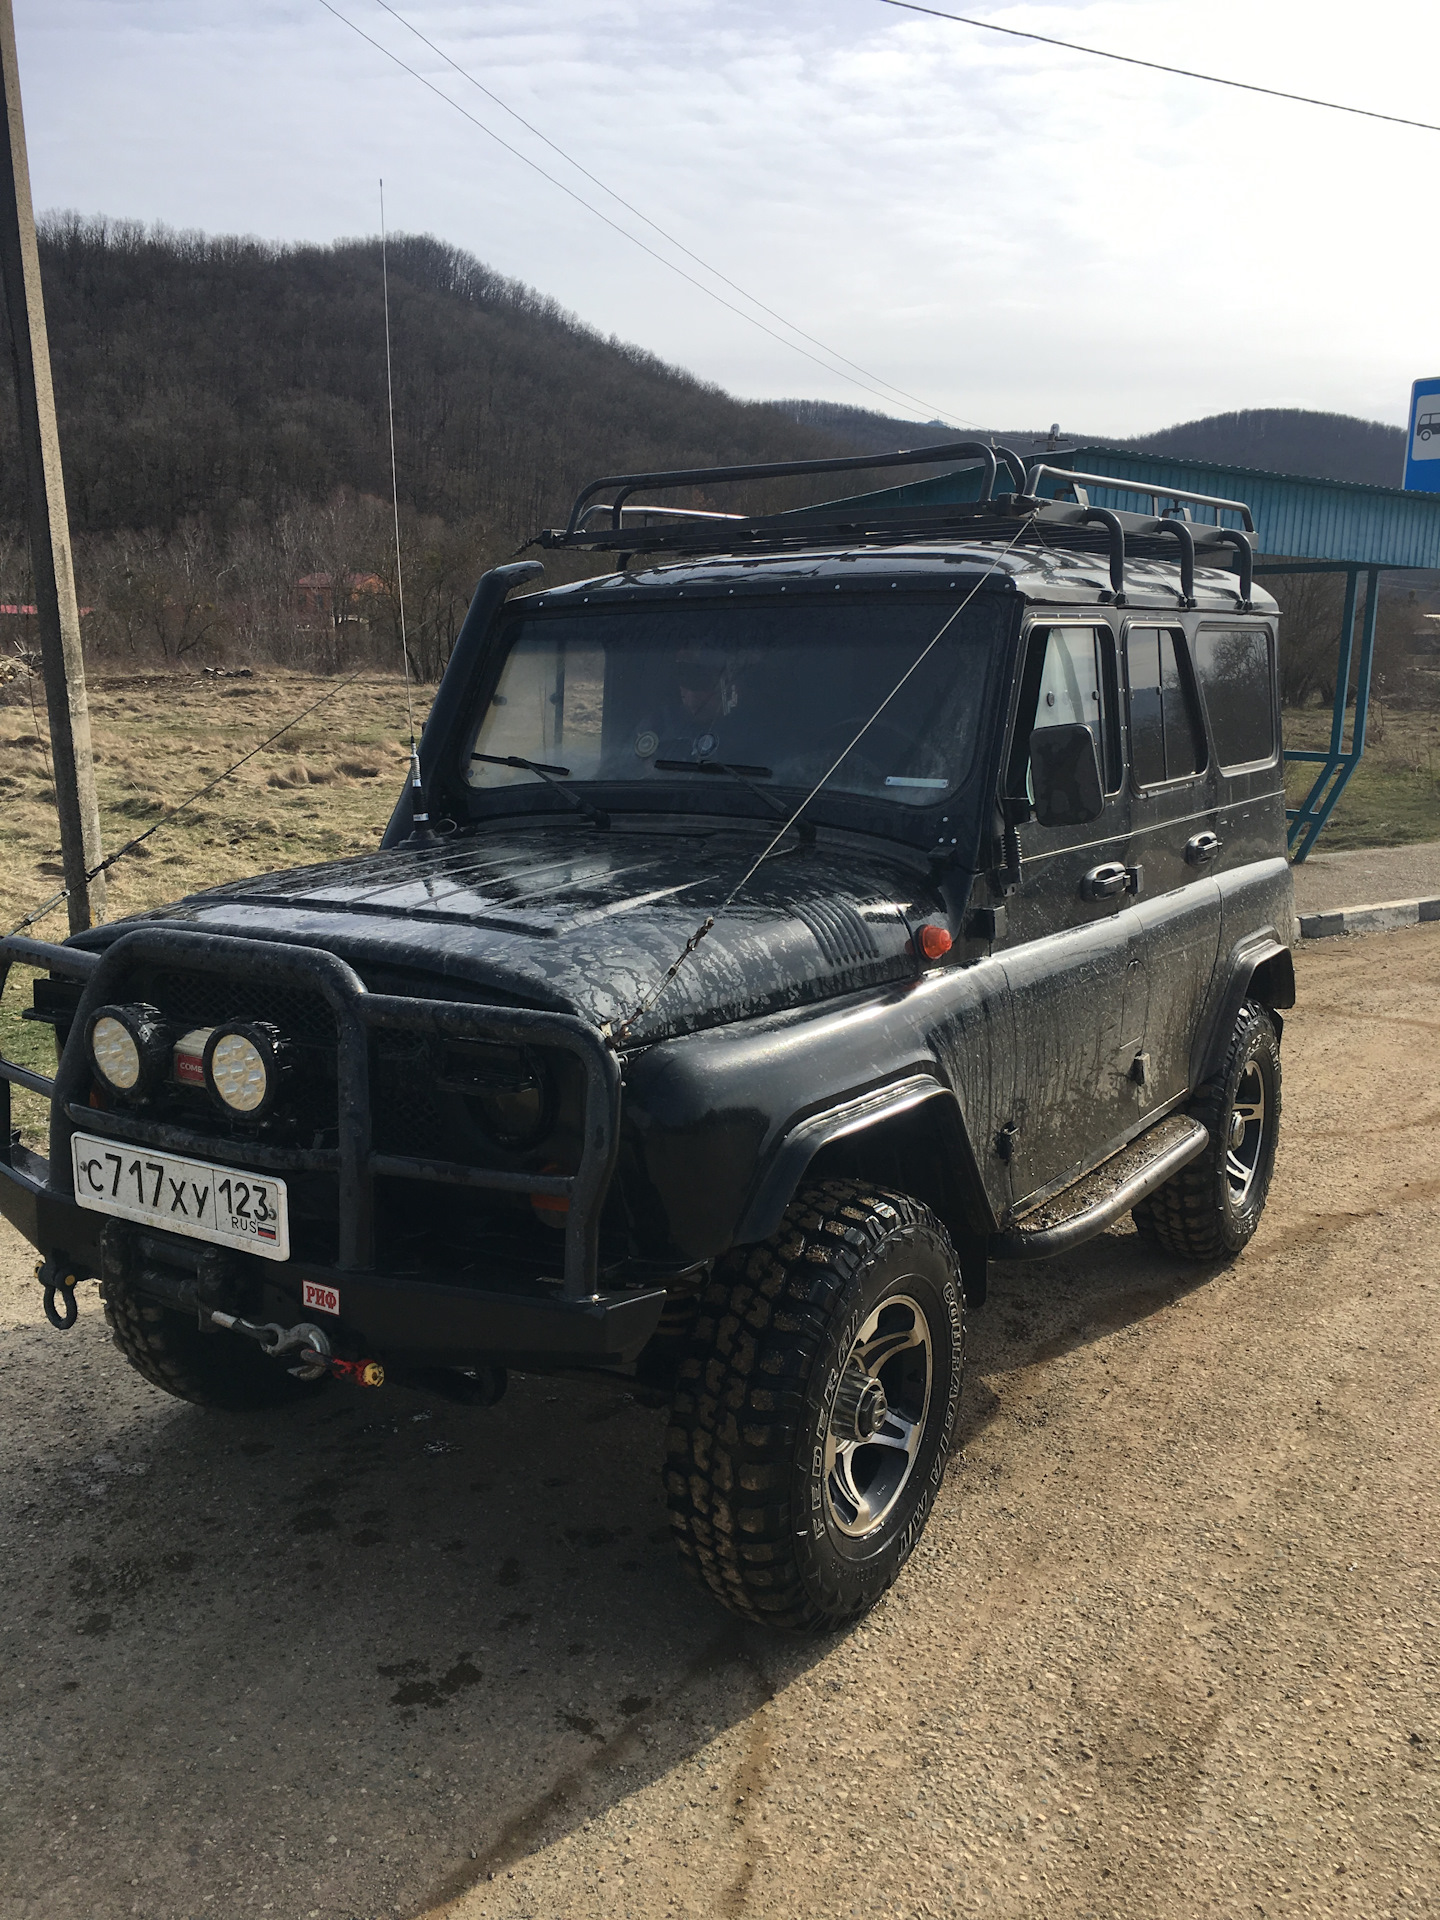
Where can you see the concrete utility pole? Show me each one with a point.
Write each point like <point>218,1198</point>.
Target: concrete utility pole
<point>49,524</point>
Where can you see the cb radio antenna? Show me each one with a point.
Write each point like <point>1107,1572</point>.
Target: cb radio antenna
<point>419,814</point>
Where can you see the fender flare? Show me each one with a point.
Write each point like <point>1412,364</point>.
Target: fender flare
<point>786,1165</point>
<point>1261,967</point>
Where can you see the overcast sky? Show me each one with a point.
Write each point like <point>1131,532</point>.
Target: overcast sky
<point>1010,233</point>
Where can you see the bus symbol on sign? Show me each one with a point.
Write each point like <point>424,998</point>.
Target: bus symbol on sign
<point>1422,444</point>
<point>322,1299</point>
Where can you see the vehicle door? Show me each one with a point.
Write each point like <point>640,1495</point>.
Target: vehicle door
<point>1174,840</point>
<point>1070,956</point>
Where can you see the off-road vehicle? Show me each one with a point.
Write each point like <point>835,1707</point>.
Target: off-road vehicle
<point>773,933</point>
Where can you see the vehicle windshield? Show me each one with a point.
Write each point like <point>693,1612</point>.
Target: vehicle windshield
<point>773,692</point>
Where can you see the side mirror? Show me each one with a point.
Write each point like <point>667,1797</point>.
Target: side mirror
<point>1065,775</point>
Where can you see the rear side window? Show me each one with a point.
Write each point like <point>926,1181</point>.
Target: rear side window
<point>1232,665</point>
<point>1076,686</point>
<point>1166,742</point>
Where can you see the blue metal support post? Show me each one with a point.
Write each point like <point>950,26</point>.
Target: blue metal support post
<point>1307,821</point>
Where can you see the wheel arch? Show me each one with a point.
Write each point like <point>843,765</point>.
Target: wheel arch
<point>1260,969</point>
<point>909,1137</point>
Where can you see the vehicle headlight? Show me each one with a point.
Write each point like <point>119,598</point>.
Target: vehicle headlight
<point>244,1064</point>
<point>507,1089</point>
<point>129,1048</point>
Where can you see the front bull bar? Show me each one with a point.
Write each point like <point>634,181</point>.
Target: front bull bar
<point>357,1012</point>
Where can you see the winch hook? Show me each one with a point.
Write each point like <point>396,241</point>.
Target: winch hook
<point>314,1344</point>
<point>275,1340</point>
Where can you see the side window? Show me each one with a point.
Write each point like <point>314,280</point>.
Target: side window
<point>1166,742</point>
<point>1232,665</point>
<point>1073,672</point>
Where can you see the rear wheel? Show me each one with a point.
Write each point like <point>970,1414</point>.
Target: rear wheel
<point>812,1423</point>
<point>209,1369</point>
<point>1210,1209</point>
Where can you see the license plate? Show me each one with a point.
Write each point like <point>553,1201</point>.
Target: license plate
<point>227,1206</point>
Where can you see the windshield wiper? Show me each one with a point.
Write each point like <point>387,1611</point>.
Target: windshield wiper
<point>552,776</point>
<point>744,776</point>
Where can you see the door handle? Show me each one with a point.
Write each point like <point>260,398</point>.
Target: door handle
<point>1104,883</point>
<point>1202,847</point>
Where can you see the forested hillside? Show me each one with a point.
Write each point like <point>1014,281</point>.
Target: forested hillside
<point>224,376</point>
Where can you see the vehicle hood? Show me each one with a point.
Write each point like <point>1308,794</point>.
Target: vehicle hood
<point>586,921</point>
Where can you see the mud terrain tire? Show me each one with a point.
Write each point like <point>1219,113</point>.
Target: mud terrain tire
<point>812,1423</point>
<point>209,1369</point>
<point>1210,1209</point>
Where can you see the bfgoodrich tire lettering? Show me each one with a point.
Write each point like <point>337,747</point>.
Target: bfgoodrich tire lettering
<point>812,1423</point>
<point>1210,1209</point>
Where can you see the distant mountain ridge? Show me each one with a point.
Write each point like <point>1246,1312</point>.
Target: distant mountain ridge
<point>1324,446</point>
<point>1300,440</point>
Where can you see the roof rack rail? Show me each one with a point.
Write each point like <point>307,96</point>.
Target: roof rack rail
<point>1041,472</point>
<point>629,483</point>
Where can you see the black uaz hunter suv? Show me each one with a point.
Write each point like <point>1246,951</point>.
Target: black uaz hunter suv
<point>774,931</point>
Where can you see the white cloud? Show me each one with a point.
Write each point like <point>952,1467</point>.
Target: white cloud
<point>1013,233</point>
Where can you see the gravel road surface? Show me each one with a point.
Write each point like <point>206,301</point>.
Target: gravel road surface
<point>1169,1647</point>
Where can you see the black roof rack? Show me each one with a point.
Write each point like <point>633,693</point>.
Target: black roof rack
<point>620,525</point>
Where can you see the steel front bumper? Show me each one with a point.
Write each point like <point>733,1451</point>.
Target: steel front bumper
<point>430,1323</point>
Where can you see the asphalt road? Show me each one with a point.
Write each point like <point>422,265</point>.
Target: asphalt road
<point>1168,1648</point>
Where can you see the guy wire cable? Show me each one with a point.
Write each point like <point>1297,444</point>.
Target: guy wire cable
<point>617,1035</point>
<point>417,798</point>
<point>173,813</point>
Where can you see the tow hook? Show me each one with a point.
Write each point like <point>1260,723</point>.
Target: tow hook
<point>312,1346</point>
<point>59,1279</point>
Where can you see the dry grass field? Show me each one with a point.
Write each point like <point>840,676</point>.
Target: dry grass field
<point>324,789</point>
<point>1394,795</point>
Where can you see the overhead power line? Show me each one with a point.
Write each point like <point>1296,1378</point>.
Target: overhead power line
<point>633,238</point>
<point>1158,66</point>
<point>909,398</point>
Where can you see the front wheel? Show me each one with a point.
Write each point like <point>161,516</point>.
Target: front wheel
<point>1210,1209</point>
<point>812,1423</point>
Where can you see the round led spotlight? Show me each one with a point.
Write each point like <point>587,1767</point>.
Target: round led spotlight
<point>244,1065</point>
<point>129,1049</point>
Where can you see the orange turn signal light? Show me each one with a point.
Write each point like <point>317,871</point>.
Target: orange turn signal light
<point>935,942</point>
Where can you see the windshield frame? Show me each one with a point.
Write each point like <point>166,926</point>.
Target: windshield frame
<point>709,797</point>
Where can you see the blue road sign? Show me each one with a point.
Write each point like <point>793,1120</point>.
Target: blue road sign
<point>1422,449</point>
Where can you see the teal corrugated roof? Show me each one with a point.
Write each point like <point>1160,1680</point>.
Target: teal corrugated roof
<point>1296,517</point>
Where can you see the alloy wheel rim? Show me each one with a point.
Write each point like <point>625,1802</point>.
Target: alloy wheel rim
<point>1245,1134</point>
<point>878,1416</point>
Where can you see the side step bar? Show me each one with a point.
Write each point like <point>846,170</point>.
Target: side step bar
<point>1101,1197</point>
